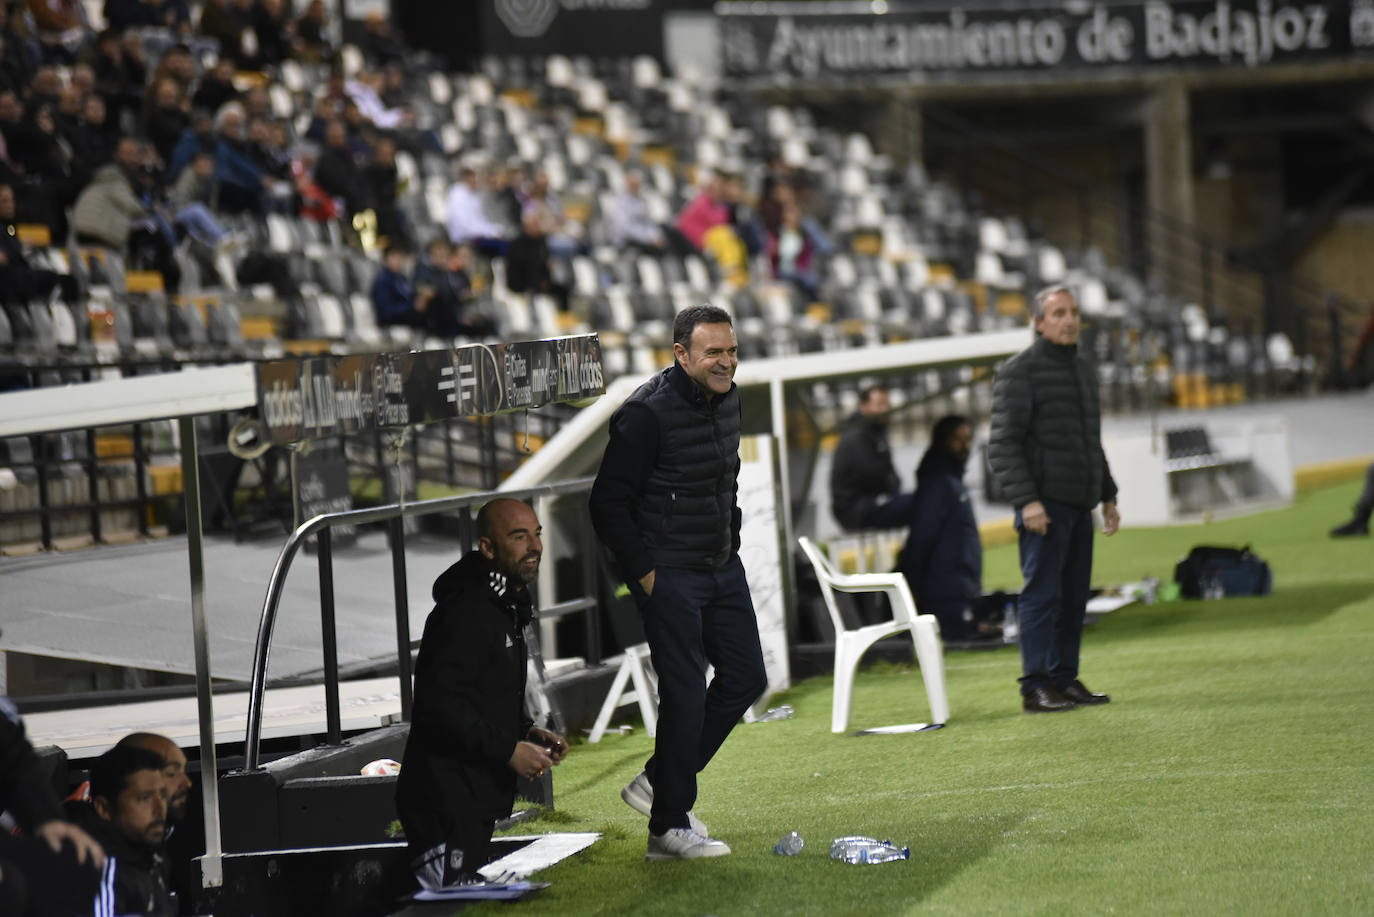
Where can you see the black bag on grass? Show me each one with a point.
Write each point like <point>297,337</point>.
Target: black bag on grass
<point>1231,571</point>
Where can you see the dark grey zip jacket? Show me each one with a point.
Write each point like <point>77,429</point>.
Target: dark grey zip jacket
<point>1046,441</point>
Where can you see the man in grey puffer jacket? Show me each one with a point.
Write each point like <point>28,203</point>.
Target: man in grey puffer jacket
<point>1046,453</point>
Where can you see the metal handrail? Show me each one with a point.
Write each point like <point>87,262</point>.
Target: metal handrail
<point>276,583</point>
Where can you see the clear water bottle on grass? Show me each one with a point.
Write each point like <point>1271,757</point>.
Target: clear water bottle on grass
<point>790,844</point>
<point>866,850</point>
<point>785,712</point>
<point>1011,626</point>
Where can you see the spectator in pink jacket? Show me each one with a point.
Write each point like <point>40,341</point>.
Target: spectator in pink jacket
<point>704,212</point>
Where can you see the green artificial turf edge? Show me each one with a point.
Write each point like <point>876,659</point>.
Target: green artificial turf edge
<point>1233,773</point>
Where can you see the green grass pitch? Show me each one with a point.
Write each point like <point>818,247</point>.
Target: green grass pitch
<point>1233,772</point>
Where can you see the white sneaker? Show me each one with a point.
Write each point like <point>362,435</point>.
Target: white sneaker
<point>684,844</point>
<point>639,795</point>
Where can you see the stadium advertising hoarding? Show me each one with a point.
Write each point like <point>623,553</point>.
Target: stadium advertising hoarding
<point>830,41</point>
<point>332,395</point>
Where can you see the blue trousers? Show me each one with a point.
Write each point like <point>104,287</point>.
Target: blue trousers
<point>692,618</point>
<point>1057,568</point>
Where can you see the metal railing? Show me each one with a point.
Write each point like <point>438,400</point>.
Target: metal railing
<point>393,514</point>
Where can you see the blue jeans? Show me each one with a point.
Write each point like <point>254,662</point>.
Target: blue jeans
<point>692,618</point>
<point>200,224</point>
<point>1057,567</point>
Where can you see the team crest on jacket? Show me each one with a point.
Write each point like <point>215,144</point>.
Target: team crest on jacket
<point>497,582</point>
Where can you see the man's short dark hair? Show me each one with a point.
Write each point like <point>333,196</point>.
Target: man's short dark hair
<point>868,390</point>
<point>111,771</point>
<point>395,248</point>
<point>688,319</point>
<point>944,428</point>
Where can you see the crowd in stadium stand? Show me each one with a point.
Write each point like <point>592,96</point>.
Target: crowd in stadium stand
<point>146,136</point>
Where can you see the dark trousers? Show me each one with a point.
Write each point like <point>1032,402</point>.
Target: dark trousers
<point>692,618</point>
<point>1057,567</point>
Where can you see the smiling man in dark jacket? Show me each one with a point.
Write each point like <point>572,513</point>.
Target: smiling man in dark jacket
<point>943,557</point>
<point>470,736</point>
<point>665,503</point>
<point>1046,451</point>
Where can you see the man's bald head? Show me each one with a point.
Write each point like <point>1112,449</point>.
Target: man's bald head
<point>508,533</point>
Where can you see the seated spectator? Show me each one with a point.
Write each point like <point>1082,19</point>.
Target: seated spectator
<point>540,196</point>
<point>177,64</point>
<point>217,87</point>
<point>198,138</point>
<point>529,266</point>
<point>393,295</point>
<point>704,212</point>
<point>443,287</point>
<point>465,219</point>
<point>273,28</point>
<point>792,251</point>
<point>98,136</point>
<point>742,220</point>
<point>631,224</point>
<point>337,172</point>
<point>379,43</point>
<point>504,200</point>
<point>127,814</point>
<point>138,14</point>
<point>19,282</point>
<point>220,20</point>
<point>18,60</point>
<point>381,182</point>
<point>190,197</point>
<point>312,33</point>
<point>943,556</point>
<point>111,212</point>
<point>1364,507</point>
<point>241,183</point>
<point>365,93</point>
<point>49,865</point>
<point>62,27</point>
<point>865,491</point>
<point>168,117</point>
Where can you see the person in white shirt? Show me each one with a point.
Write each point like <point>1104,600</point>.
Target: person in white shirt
<point>631,224</point>
<point>465,220</point>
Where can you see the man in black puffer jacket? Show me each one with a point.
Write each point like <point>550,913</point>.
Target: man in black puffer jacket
<point>665,504</point>
<point>1046,453</point>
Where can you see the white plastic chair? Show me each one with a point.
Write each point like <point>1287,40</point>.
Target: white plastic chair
<point>850,644</point>
<point>635,682</point>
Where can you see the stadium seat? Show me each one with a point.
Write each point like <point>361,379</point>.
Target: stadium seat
<point>850,643</point>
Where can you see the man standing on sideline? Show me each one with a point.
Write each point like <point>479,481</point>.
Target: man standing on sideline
<point>470,736</point>
<point>665,504</point>
<point>864,487</point>
<point>1046,452</point>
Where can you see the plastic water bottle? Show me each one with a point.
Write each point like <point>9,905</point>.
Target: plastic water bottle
<point>785,712</point>
<point>866,850</point>
<point>790,844</point>
<point>1011,627</point>
<point>1212,587</point>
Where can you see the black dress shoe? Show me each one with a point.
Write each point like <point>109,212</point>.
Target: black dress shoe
<point>1046,700</point>
<point>1353,527</point>
<point>1078,692</point>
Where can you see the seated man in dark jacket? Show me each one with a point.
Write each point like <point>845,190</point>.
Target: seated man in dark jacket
<point>128,815</point>
<point>470,737</point>
<point>864,487</point>
<point>444,288</point>
<point>943,557</point>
